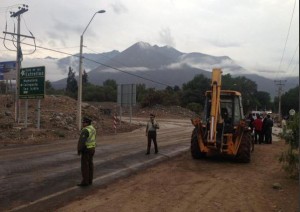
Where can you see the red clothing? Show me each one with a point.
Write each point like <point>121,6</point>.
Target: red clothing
<point>257,123</point>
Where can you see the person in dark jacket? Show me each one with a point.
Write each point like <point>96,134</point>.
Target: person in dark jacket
<point>268,129</point>
<point>86,148</point>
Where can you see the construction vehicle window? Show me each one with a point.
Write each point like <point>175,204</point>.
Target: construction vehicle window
<point>237,110</point>
<point>226,110</point>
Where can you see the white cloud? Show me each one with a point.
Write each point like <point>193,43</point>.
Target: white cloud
<point>166,37</point>
<point>119,7</point>
<point>125,69</point>
<point>251,32</point>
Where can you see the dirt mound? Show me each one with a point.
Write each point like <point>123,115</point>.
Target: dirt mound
<point>58,118</point>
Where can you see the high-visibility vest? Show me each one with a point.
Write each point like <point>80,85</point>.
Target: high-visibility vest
<point>91,140</point>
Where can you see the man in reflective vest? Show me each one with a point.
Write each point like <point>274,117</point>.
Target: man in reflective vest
<point>86,148</point>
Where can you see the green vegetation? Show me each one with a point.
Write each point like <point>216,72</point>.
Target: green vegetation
<point>289,100</point>
<point>191,95</point>
<point>290,158</point>
<point>71,89</point>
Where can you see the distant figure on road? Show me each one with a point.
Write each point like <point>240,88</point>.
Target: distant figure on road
<point>257,123</point>
<point>267,128</point>
<point>151,128</point>
<point>283,125</point>
<point>86,148</point>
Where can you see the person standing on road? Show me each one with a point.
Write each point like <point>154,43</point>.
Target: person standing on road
<point>268,129</point>
<point>257,123</point>
<point>151,128</point>
<point>264,128</point>
<point>86,148</point>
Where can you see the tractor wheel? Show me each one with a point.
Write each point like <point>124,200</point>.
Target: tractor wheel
<point>195,149</point>
<point>243,154</point>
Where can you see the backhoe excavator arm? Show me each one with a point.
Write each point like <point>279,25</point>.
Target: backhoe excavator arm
<point>215,104</point>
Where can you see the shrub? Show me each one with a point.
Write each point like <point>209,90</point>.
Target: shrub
<point>195,107</point>
<point>290,158</point>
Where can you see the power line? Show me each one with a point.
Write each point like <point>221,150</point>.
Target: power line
<point>287,37</point>
<point>296,50</point>
<point>108,66</point>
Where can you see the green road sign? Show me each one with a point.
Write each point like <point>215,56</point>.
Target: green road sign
<point>32,83</point>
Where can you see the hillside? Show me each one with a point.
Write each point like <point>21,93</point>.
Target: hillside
<point>143,63</point>
<point>159,67</point>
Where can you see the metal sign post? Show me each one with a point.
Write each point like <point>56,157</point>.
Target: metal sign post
<point>32,86</point>
<point>126,97</point>
<point>32,83</point>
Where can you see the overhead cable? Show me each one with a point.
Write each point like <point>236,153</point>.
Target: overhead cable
<point>287,37</point>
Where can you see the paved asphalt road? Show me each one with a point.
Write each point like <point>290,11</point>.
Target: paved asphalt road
<point>43,177</point>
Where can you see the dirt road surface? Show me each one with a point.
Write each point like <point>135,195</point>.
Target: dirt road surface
<point>43,177</point>
<point>184,184</point>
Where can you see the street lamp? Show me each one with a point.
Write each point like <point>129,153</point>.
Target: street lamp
<point>79,99</point>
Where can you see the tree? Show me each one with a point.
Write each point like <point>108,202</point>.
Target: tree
<point>245,86</point>
<point>194,90</point>
<point>176,88</point>
<point>85,78</point>
<point>110,83</point>
<point>110,89</point>
<point>110,93</point>
<point>140,92</point>
<point>72,87</point>
<point>93,93</point>
<point>49,88</point>
<point>152,98</point>
<point>289,100</point>
<point>263,100</point>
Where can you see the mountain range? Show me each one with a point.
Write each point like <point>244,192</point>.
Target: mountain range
<point>159,67</point>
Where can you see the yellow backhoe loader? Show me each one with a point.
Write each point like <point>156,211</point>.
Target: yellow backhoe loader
<point>222,129</point>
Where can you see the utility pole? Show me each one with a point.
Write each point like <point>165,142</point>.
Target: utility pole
<point>19,56</point>
<point>79,99</point>
<point>280,84</point>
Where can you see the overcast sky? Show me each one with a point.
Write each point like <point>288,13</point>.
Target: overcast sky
<point>252,32</point>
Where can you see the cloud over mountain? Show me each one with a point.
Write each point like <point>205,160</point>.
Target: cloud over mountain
<point>157,67</point>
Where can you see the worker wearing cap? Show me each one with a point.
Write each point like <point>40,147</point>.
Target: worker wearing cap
<point>86,148</point>
<point>151,128</point>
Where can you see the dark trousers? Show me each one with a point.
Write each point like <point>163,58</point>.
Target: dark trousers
<point>152,136</point>
<point>87,166</point>
<point>258,134</point>
<point>268,136</point>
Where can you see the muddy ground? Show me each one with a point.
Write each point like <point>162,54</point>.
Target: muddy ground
<point>179,184</point>
<point>215,184</point>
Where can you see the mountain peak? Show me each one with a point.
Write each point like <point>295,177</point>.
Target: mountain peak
<point>143,45</point>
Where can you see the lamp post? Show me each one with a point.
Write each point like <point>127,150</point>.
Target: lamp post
<point>79,99</point>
